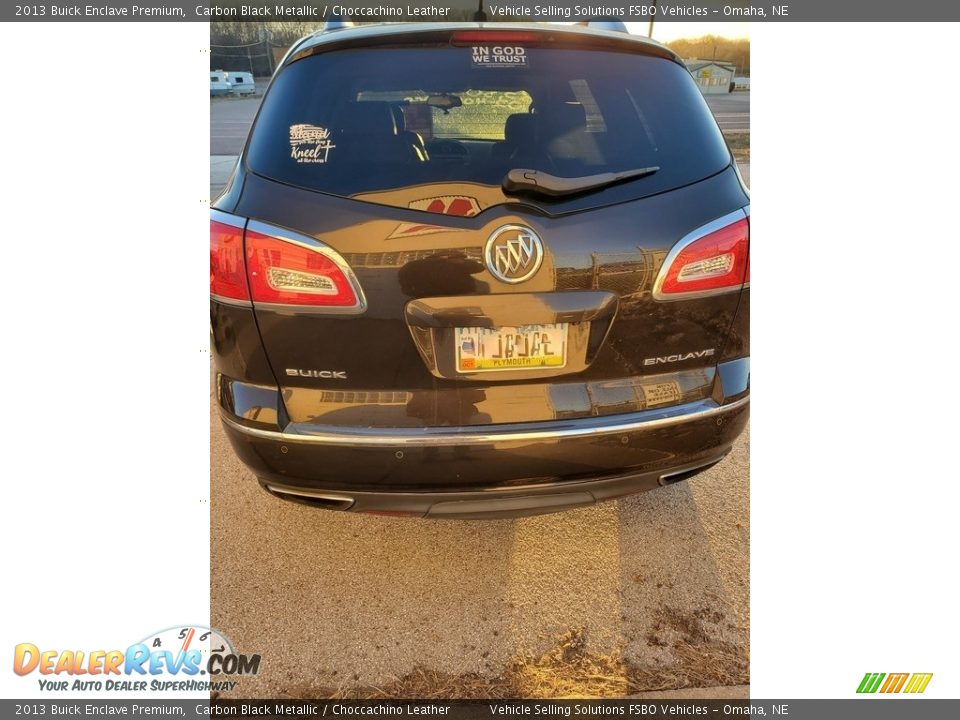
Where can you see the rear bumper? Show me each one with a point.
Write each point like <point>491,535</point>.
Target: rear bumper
<point>489,472</point>
<point>500,502</point>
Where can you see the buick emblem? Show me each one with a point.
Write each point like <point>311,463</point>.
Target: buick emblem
<point>513,253</point>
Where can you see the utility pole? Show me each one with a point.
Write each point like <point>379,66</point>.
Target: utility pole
<point>265,36</point>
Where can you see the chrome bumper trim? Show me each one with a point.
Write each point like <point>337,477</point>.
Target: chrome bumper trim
<point>556,430</point>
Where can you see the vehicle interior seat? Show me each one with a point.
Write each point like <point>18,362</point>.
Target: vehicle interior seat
<point>367,132</point>
<point>519,132</point>
<point>414,138</point>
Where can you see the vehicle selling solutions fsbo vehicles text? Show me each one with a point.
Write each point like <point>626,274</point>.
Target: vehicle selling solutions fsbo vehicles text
<point>584,11</point>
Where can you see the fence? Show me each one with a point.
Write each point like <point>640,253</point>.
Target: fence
<point>256,58</point>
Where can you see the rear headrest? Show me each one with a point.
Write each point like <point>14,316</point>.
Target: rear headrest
<point>367,118</point>
<point>519,128</point>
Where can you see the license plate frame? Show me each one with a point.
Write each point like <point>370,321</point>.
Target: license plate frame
<point>474,346</point>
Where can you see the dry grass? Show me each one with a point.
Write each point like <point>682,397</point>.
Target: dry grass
<point>570,670</point>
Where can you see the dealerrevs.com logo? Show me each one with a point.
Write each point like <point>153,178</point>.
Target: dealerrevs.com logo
<point>183,658</point>
<point>910,683</point>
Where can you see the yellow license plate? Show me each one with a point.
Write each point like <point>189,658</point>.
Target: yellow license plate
<point>526,347</point>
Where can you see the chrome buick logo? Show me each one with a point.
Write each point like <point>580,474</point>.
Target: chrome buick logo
<point>513,253</point>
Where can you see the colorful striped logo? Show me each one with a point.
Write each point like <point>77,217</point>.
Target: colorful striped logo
<point>894,682</point>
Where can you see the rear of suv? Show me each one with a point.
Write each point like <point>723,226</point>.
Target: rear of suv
<point>469,271</point>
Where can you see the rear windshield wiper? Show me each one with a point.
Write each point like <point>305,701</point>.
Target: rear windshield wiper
<point>537,181</point>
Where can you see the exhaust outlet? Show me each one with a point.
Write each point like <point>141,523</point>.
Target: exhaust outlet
<point>310,497</point>
<point>679,475</point>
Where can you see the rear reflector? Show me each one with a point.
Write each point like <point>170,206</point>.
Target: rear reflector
<point>290,271</point>
<point>227,278</point>
<point>711,260</point>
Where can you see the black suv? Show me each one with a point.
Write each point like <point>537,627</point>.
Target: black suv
<point>477,270</point>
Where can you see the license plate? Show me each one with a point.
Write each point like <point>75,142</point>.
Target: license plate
<point>662,393</point>
<point>526,347</point>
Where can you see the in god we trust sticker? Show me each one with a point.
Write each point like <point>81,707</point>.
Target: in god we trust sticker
<point>499,56</point>
<point>310,143</point>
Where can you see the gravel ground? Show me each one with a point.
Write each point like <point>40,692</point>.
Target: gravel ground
<point>336,600</point>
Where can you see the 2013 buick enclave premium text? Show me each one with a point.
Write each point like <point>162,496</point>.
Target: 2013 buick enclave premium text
<point>476,270</point>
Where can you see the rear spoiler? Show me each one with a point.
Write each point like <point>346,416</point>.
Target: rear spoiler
<point>549,36</point>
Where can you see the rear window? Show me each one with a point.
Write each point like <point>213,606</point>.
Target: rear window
<point>362,122</point>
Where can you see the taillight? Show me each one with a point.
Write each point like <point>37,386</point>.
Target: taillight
<point>227,278</point>
<point>711,260</point>
<point>292,270</point>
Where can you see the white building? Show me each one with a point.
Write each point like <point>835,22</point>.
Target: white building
<point>712,76</point>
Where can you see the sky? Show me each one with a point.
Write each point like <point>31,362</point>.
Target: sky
<point>667,31</point>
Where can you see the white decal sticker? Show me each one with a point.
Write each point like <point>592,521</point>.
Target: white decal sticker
<point>499,56</point>
<point>310,143</point>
